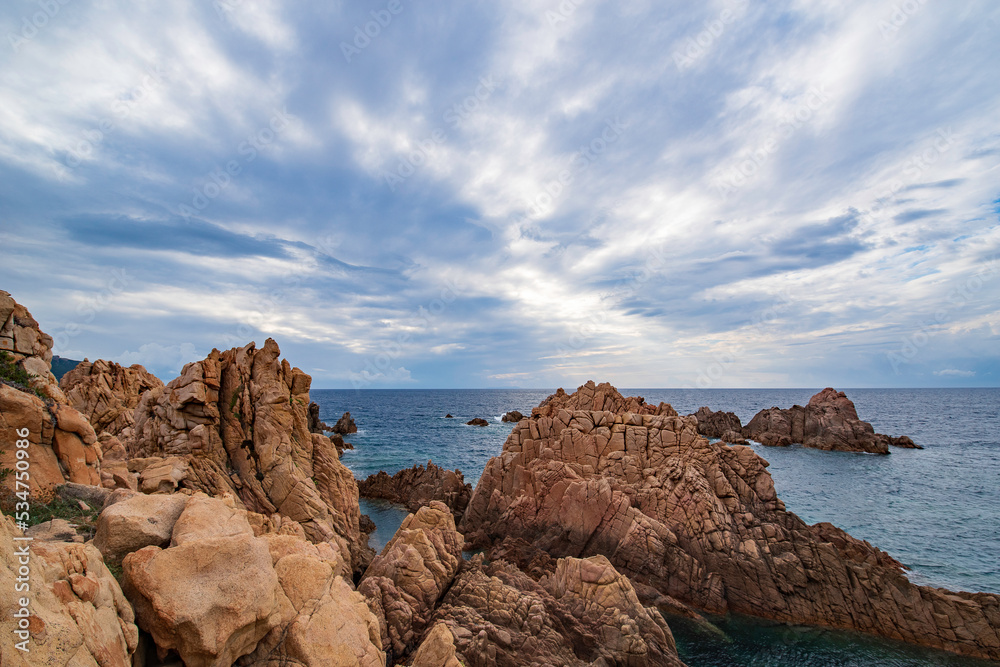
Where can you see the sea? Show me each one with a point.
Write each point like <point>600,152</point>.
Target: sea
<point>936,510</point>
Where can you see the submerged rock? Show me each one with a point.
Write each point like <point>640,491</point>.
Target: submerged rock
<point>416,487</point>
<point>701,522</point>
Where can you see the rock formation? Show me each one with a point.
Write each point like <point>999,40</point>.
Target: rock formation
<point>512,416</point>
<point>28,346</point>
<point>220,593</point>
<point>107,393</point>
<point>416,487</point>
<point>238,423</point>
<point>584,613</point>
<point>404,583</point>
<point>722,425</point>
<point>62,444</point>
<point>317,425</point>
<point>700,522</point>
<point>345,425</point>
<point>477,421</point>
<point>829,422</point>
<point>449,416</point>
<point>77,613</point>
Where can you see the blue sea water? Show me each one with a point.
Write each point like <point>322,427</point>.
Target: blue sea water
<point>937,510</point>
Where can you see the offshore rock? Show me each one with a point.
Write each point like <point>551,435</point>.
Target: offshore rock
<point>107,393</point>
<point>416,487</point>
<point>477,421</point>
<point>701,523</point>
<point>829,422</point>
<point>345,425</point>
<point>238,423</point>
<point>718,424</point>
<point>512,416</point>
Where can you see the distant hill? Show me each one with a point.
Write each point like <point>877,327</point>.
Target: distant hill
<point>61,366</point>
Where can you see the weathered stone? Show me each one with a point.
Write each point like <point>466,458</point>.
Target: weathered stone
<point>584,614</point>
<point>137,522</point>
<point>829,422</point>
<point>345,425</point>
<point>405,581</point>
<point>416,487</point>
<point>701,523</point>
<point>77,613</point>
<point>108,393</point>
<point>239,422</point>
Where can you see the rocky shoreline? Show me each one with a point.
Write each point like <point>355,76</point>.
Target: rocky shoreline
<point>227,531</point>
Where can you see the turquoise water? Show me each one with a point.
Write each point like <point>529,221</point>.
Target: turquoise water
<point>937,510</point>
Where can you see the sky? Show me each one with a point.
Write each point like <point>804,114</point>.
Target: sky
<point>511,193</point>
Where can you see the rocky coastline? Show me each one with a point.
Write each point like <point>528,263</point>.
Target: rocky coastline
<point>227,531</point>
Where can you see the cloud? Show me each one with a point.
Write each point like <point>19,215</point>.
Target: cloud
<point>163,361</point>
<point>952,372</point>
<point>572,200</point>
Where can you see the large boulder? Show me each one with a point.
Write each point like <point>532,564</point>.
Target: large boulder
<point>108,393</point>
<point>416,487</point>
<point>404,583</point>
<point>701,522</point>
<point>237,423</point>
<point>77,613</point>
<point>223,592</point>
<point>829,422</point>
<point>137,522</point>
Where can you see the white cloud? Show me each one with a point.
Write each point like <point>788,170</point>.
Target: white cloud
<point>954,372</point>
